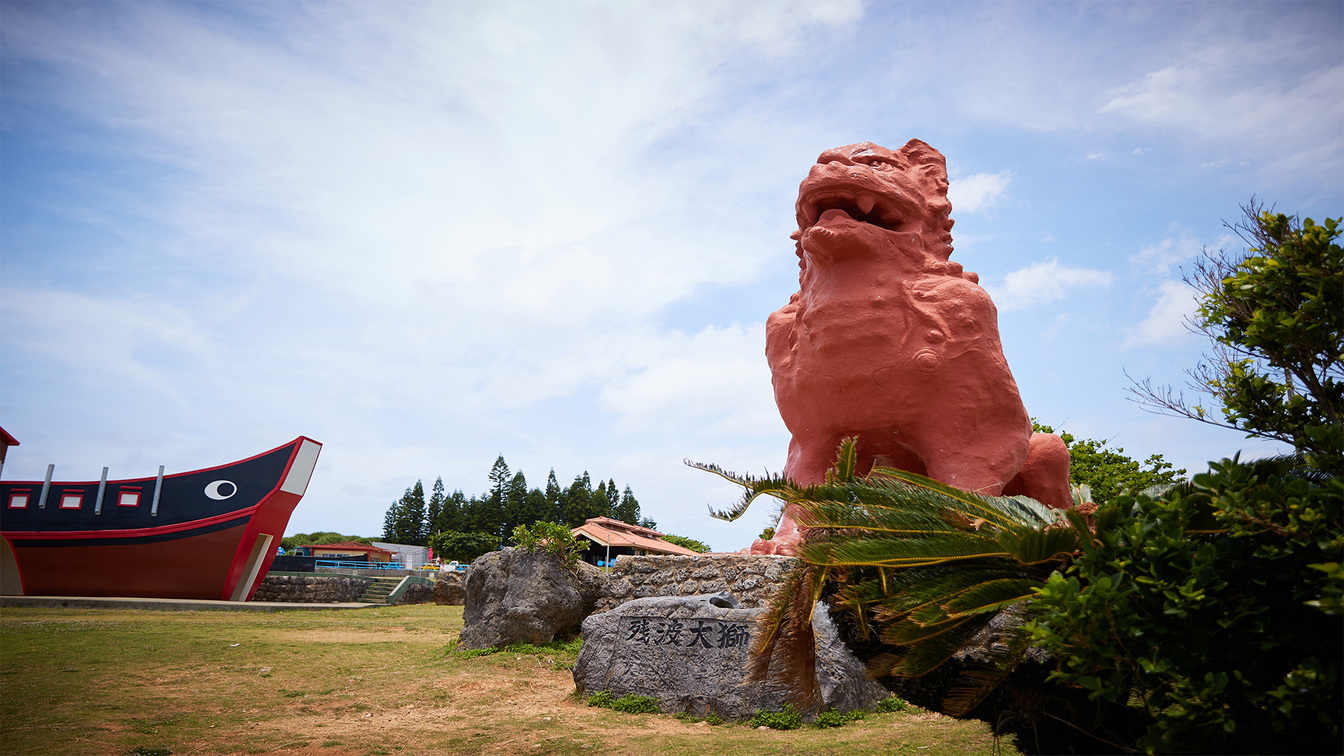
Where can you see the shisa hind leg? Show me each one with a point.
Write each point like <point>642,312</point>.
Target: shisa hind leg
<point>1045,473</point>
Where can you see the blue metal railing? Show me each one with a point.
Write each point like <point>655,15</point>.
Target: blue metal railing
<point>348,565</point>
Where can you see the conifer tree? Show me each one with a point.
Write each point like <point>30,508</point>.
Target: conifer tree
<point>577,506</point>
<point>598,501</point>
<point>628,508</point>
<point>435,509</point>
<point>493,515</point>
<point>554,508</point>
<point>390,521</point>
<point>453,516</point>
<point>515,503</point>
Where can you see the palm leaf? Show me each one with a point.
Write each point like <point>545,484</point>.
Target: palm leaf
<point>919,565</point>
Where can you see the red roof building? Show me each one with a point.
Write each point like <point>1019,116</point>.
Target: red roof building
<point>334,550</point>
<point>613,538</point>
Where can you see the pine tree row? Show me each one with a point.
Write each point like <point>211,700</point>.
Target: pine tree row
<point>509,502</point>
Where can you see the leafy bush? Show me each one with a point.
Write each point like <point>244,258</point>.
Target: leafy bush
<point>455,546</point>
<point>788,719</point>
<point>713,718</point>
<point>602,698</point>
<point>1215,606</point>
<point>633,703</point>
<point>551,537</point>
<point>689,543</point>
<point>1275,314</point>
<point>320,538</point>
<point>892,703</point>
<point>630,703</point>
<point>569,646</point>
<point>1108,472</point>
<point>833,718</point>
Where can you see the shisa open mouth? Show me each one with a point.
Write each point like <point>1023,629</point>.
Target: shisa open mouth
<point>859,204</point>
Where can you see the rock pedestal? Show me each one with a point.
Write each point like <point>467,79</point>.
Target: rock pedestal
<point>691,654</point>
<point>516,596</point>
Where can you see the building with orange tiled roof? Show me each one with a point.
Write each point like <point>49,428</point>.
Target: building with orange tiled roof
<point>338,550</point>
<point>613,538</point>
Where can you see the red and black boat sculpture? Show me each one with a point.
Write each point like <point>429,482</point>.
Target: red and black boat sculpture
<point>206,534</point>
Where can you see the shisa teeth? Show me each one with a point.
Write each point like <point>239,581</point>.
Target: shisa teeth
<point>810,212</point>
<point>866,203</point>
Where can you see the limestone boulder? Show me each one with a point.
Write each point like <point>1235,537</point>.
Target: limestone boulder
<point>448,589</point>
<point>691,654</point>
<point>515,596</point>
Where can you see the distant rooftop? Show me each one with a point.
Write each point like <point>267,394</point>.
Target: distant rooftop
<point>605,531</point>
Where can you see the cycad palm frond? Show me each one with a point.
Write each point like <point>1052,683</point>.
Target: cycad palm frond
<point>918,565</point>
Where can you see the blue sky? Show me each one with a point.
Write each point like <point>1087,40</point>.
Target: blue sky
<point>429,234</point>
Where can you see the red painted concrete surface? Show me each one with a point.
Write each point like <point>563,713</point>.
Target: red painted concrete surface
<point>888,340</point>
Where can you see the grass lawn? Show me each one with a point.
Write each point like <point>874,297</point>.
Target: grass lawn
<point>370,681</point>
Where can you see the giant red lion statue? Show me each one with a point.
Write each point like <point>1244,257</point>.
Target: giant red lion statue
<point>888,341</point>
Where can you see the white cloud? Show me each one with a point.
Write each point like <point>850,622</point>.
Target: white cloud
<point>1165,323</point>
<point>1236,92</point>
<point>133,339</point>
<point>978,192</point>
<point>716,380</point>
<point>1180,247</point>
<point>1044,282</point>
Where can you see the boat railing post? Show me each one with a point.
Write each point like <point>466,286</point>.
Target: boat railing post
<point>46,486</point>
<point>158,486</point>
<point>102,485</point>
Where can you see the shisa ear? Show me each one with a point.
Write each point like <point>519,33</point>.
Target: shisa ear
<point>925,160</point>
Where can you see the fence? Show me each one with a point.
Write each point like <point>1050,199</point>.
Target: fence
<point>347,564</point>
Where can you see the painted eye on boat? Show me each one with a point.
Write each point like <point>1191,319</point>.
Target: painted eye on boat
<point>221,490</point>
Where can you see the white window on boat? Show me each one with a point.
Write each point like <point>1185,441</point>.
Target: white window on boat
<point>72,500</point>
<point>129,497</point>
<point>18,500</point>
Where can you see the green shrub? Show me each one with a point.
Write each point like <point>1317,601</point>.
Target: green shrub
<point>713,718</point>
<point>1107,473</point>
<point>633,703</point>
<point>630,703</point>
<point>788,719</point>
<point>892,703</point>
<point>689,543</point>
<point>831,718</point>
<point>602,698</point>
<point>562,646</point>
<point>451,545</point>
<point>1211,607</point>
<point>550,537</point>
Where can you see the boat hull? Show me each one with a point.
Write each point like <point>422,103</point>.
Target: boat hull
<point>207,534</point>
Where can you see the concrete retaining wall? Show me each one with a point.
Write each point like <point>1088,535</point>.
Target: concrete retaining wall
<point>750,578</point>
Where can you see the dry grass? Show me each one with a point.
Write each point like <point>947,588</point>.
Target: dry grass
<point>372,681</point>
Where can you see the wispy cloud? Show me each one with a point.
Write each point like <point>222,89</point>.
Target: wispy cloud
<point>978,192</point>
<point>1164,326</point>
<point>1181,246</point>
<point>1220,94</point>
<point>1044,282</point>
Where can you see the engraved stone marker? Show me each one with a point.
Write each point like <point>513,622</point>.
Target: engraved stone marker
<point>691,653</point>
